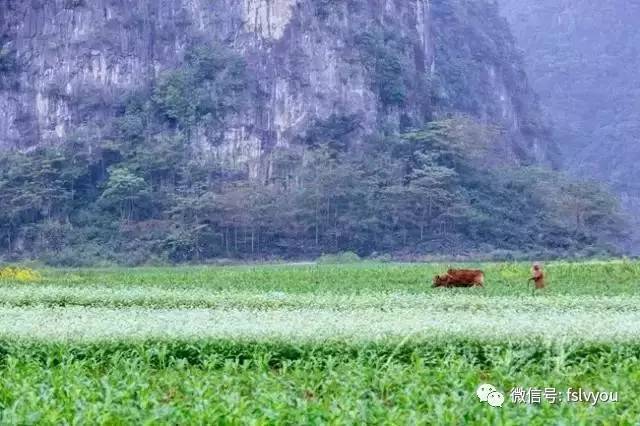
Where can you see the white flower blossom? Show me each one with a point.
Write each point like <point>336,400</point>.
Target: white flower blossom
<point>94,323</point>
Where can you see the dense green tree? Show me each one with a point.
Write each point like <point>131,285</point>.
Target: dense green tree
<point>126,191</point>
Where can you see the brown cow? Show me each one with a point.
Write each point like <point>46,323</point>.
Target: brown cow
<point>460,278</point>
<point>537,276</point>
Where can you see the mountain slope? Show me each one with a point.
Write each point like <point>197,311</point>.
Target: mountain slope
<point>190,130</point>
<point>371,60</point>
<point>583,59</point>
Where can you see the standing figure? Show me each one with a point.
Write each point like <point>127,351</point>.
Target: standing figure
<point>537,276</point>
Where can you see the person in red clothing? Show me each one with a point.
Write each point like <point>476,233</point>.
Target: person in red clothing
<point>537,276</point>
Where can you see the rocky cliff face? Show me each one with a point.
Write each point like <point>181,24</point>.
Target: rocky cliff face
<point>66,63</point>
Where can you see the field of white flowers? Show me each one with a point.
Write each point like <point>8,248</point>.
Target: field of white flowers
<point>367,319</point>
<point>369,343</point>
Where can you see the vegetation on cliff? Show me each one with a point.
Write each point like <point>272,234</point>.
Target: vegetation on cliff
<point>144,178</point>
<point>142,197</point>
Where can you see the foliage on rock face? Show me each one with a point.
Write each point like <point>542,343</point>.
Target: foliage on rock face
<point>434,190</point>
<point>336,132</point>
<point>8,64</point>
<point>143,195</point>
<point>587,78</point>
<point>209,86</point>
<point>472,60</point>
<point>383,54</point>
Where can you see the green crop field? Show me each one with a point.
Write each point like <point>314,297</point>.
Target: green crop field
<point>367,343</point>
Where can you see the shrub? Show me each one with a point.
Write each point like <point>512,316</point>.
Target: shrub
<point>13,273</point>
<point>342,257</point>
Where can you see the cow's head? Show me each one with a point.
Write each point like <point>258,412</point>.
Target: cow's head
<point>439,281</point>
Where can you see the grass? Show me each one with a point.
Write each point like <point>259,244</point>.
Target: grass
<point>316,344</point>
<point>595,278</point>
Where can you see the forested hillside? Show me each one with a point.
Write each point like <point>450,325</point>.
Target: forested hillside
<point>583,58</point>
<point>195,130</point>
